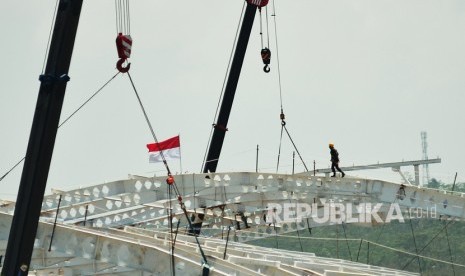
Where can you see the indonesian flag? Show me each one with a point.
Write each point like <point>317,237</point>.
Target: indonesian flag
<point>170,148</point>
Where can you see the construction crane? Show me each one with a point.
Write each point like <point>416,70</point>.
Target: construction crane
<point>45,125</point>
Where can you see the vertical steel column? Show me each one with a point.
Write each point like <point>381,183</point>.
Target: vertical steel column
<point>54,224</point>
<point>417,175</point>
<point>219,132</point>
<point>256,161</point>
<point>42,140</point>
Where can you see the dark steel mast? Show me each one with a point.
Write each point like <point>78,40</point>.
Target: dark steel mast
<point>42,140</point>
<point>220,128</point>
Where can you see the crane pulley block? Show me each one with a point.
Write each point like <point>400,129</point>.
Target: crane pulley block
<point>266,55</point>
<point>258,3</point>
<point>124,45</point>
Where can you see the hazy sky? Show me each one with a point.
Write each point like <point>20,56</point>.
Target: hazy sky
<point>366,75</point>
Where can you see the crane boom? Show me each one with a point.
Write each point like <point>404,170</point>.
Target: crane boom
<point>220,128</point>
<point>42,140</point>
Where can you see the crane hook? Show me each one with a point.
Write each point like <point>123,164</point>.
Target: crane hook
<point>266,68</point>
<point>266,56</point>
<point>119,66</point>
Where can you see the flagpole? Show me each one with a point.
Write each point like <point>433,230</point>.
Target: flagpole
<point>180,163</point>
<point>180,153</point>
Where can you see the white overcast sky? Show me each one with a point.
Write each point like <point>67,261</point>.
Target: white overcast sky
<point>367,75</point>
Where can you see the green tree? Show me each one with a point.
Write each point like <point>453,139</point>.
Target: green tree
<point>435,184</point>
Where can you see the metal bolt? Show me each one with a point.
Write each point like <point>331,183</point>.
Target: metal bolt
<point>23,267</point>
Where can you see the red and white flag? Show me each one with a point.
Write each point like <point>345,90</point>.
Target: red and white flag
<point>170,148</point>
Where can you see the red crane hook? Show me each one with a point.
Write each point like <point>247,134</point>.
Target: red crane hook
<point>119,66</point>
<point>123,45</point>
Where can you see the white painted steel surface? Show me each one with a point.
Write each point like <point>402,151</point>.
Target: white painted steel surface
<point>114,240</point>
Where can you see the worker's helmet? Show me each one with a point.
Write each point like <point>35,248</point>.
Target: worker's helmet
<point>331,145</point>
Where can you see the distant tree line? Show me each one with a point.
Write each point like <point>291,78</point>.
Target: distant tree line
<point>438,184</point>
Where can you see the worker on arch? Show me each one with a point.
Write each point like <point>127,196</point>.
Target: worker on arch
<point>335,160</point>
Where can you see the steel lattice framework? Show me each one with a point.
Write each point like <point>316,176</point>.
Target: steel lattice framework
<point>121,227</point>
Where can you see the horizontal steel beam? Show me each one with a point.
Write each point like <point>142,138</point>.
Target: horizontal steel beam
<point>378,166</point>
